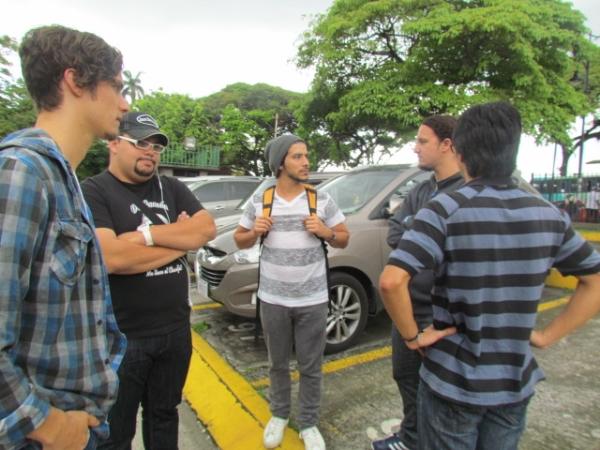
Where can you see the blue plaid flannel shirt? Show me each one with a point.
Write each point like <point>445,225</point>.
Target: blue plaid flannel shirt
<point>59,341</point>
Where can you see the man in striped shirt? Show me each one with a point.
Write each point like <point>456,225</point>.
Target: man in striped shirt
<point>293,284</point>
<point>491,245</point>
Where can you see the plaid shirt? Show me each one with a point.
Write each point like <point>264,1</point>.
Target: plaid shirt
<point>59,341</point>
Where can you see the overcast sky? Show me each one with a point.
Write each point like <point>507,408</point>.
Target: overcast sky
<point>198,47</point>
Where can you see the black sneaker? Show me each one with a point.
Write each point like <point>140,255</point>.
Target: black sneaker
<point>392,442</point>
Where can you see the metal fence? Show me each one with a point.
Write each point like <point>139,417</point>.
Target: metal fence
<point>579,197</point>
<point>206,157</point>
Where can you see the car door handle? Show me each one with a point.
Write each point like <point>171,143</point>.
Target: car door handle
<point>219,207</point>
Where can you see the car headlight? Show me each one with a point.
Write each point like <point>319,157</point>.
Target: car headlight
<point>247,255</point>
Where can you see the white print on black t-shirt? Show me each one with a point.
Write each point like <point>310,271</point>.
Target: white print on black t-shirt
<point>161,204</point>
<point>167,270</point>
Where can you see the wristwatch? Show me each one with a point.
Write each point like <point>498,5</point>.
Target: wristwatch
<point>145,229</point>
<point>332,238</point>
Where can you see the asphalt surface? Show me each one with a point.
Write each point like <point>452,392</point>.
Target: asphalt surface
<point>361,402</point>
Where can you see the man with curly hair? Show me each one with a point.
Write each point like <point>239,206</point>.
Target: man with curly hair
<point>60,347</point>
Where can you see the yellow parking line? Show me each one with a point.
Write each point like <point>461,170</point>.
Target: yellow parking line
<point>339,364</point>
<point>203,306</point>
<point>230,408</point>
<point>593,236</point>
<point>545,306</point>
<point>226,404</point>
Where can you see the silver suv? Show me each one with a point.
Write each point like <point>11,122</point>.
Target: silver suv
<point>221,194</point>
<point>229,276</point>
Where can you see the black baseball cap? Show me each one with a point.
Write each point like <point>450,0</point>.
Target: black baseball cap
<point>140,126</point>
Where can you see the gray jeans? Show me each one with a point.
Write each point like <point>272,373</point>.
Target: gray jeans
<point>304,328</point>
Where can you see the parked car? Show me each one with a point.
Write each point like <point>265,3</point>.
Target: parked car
<point>229,276</point>
<point>221,194</point>
<point>368,197</point>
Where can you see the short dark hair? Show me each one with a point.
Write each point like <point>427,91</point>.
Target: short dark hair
<point>46,52</point>
<point>442,125</point>
<point>487,136</point>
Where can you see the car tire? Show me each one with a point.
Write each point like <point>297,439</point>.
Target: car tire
<point>348,313</point>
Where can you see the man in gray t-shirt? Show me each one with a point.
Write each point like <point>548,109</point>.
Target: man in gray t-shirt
<point>293,289</point>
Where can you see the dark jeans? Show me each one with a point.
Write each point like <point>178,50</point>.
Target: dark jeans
<point>405,368</point>
<point>445,425</point>
<point>153,373</point>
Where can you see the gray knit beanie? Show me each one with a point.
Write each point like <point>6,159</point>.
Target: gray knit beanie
<point>277,149</point>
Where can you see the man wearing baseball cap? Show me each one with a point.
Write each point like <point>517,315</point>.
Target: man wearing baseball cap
<point>146,224</point>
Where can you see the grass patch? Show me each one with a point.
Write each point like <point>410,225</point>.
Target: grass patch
<point>200,327</point>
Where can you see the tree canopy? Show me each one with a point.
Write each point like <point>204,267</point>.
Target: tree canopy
<point>247,116</point>
<point>240,119</point>
<point>384,65</point>
<point>16,107</point>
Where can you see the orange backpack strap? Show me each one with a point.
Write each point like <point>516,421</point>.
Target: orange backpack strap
<point>268,201</point>
<point>311,196</point>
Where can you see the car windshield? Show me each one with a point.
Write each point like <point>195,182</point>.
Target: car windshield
<point>353,190</point>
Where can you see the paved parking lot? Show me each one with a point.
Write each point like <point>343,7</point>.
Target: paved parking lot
<point>228,384</point>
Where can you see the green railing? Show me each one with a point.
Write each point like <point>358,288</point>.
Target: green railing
<point>205,157</point>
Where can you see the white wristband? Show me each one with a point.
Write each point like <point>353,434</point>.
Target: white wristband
<point>147,235</point>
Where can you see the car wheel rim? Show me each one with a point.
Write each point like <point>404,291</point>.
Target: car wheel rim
<point>344,317</point>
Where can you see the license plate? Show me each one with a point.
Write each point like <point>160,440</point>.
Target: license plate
<point>203,288</point>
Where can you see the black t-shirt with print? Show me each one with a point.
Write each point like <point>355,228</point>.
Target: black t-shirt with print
<point>154,302</point>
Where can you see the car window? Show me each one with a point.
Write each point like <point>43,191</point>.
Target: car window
<point>352,191</point>
<point>405,187</point>
<point>210,192</point>
<point>264,184</point>
<point>241,189</point>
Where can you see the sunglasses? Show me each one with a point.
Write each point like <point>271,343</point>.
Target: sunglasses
<point>144,145</point>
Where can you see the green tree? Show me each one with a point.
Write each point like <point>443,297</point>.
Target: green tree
<point>132,86</point>
<point>180,116</point>
<point>243,140</point>
<point>95,161</point>
<point>16,107</point>
<point>384,65</point>
<point>7,46</point>
<point>246,115</point>
<point>257,97</point>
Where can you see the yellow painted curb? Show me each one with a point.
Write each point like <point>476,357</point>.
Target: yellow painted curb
<point>592,236</point>
<point>226,404</point>
<point>203,306</point>
<point>555,279</point>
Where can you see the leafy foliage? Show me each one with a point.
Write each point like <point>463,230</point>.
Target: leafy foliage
<point>16,107</point>
<point>246,115</point>
<point>180,116</point>
<point>95,161</point>
<point>384,65</point>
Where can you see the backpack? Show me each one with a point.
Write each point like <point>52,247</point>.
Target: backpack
<point>267,207</point>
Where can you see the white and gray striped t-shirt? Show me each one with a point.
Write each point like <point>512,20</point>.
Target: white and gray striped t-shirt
<point>292,264</point>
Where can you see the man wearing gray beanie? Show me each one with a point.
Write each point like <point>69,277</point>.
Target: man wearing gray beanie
<point>293,291</point>
<point>277,149</point>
